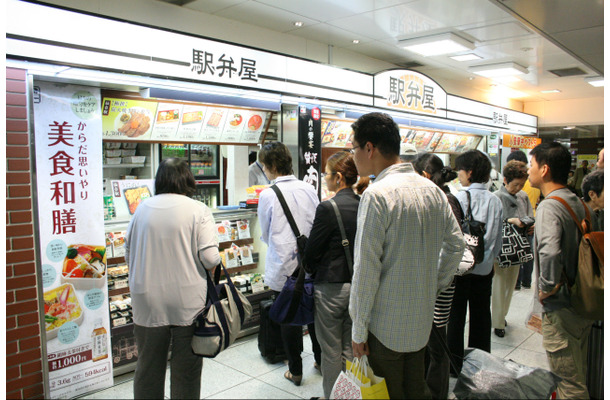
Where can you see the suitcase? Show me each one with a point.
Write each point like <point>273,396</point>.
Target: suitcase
<point>269,336</point>
<point>595,368</point>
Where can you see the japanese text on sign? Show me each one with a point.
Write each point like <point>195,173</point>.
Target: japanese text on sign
<point>410,93</point>
<point>63,190</point>
<point>520,142</point>
<point>499,118</point>
<point>204,63</point>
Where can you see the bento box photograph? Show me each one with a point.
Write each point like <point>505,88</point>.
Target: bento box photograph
<point>60,306</point>
<point>85,266</point>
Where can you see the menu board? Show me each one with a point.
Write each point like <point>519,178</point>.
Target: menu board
<point>167,121</point>
<point>127,119</point>
<point>254,127</point>
<point>434,141</point>
<point>128,194</point>
<point>76,326</point>
<point>191,122</point>
<point>213,125</point>
<point>455,143</point>
<point>234,125</point>
<point>336,134</point>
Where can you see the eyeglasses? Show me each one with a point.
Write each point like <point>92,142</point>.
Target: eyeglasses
<point>325,174</point>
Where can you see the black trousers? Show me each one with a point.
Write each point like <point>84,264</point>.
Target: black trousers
<point>525,271</point>
<point>292,339</point>
<point>474,292</point>
<point>437,363</point>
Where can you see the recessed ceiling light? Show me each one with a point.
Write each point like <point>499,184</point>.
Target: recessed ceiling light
<point>355,41</point>
<point>498,70</point>
<point>435,45</point>
<point>597,81</point>
<point>298,23</point>
<point>466,57</point>
<point>551,91</point>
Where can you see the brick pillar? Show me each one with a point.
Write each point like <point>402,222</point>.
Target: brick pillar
<point>24,376</point>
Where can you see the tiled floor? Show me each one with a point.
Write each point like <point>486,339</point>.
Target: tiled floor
<point>241,373</point>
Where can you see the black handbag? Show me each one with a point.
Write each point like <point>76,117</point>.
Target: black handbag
<point>474,233</point>
<point>516,249</point>
<point>294,305</point>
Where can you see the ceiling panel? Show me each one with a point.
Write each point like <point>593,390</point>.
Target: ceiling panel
<point>265,16</point>
<point>213,6</point>
<point>326,10</point>
<point>504,30</point>
<point>328,34</point>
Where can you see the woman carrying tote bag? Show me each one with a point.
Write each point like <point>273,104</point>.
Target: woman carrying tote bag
<point>517,211</point>
<point>326,258</point>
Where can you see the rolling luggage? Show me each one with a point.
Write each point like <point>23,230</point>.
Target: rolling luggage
<point>269,336</point>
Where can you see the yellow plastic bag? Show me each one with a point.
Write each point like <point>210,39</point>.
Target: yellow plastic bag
<point>359,382</point>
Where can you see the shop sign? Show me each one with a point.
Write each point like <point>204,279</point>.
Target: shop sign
<point>231,66</point>
<point>499,118</point>
<point>410,91</point>
<point>520,142</point>
<point>68,144</point>
<point>310,126</point>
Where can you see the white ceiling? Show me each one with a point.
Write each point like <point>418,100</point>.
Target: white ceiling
<point>539,34</point>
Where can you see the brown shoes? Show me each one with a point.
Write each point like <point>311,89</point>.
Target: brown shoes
<point>296,379</point>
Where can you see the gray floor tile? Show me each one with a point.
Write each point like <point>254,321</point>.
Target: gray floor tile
<point>311,385</point>
<point>533,343</point>
<point>120,391</point>
<point>253,389</point>
<point>500,350</point>
<point>247,359</point>
<point>515,335</point>
<point>529,358</point>
<point>215,378</point>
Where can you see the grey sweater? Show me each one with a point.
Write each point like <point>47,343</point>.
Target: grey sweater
<point>556,240</point>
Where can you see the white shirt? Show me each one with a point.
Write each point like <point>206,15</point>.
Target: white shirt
<point>166,278</point>
<point>408,246</point>
<point>256,175</point>
<point>302,201</point>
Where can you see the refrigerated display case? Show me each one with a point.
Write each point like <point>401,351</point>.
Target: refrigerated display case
<point>204,162</point>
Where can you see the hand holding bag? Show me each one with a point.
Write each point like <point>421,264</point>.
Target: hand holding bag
<point>516,249</point>
<point>294,305</point>
<point>359,382</point>
<point>474,233</point>
<point>217,326</point>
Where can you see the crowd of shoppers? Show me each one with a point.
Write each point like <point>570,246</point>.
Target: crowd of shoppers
<point>383,256</point>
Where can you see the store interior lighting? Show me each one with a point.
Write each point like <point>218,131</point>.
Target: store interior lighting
<point>498,70</point>
<point>597,81</point>
<point>466,57</point>
<point>434,45</point>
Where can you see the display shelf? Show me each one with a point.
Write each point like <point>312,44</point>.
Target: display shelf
<point>242,268</point>
<point>112,166</point>
<point>241,213</point>
<point>118,292</point>
<point>123,329</point>
<point>238,242</point>
<point>115,260</point>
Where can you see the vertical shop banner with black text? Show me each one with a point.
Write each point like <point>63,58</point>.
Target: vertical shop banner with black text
<point>68,144</point>
<point>310,145</point>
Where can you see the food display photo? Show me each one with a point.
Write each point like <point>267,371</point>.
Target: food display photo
<point>85,266</point>
<point>60,306</point>
<point>128,119</point>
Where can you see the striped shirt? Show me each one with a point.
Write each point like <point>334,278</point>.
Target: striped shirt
<point>408,246</point>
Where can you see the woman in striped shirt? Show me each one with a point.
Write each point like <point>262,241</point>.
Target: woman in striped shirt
<point>437,376</point>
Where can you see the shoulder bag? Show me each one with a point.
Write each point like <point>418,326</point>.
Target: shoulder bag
<point>474,251</point>
<point>294,305</point>
<point>344,241</point>
<point>217,326</point>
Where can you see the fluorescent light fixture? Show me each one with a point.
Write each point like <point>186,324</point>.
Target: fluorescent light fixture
<point>597,81</point>
<point>434,45</point>
<point>355,41</point>
<point>298,24</point>
<point>551,91</point>
<point>567,128</point>
<point>466,57</point>
<point>498,70</point>
<point>506,79</point>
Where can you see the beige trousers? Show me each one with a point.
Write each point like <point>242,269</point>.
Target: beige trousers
<point>502,288</point>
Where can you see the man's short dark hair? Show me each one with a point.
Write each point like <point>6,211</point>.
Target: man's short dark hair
<point>379,129</point>
<point>174,176</point>
<point>476,162</point>
<point>557,157</point>
<point>593,181</point>
<point>517,155</point>
<point>277,156</point>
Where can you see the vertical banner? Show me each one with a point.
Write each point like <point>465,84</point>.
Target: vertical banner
<point>310,144</point>
<point>68,140</point>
